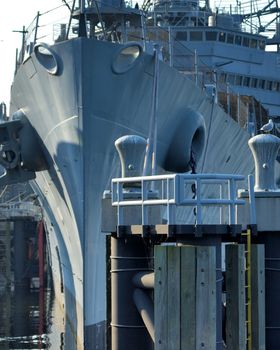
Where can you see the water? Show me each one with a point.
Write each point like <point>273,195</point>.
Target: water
<point>30,319</point>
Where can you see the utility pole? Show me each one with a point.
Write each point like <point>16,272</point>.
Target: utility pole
<point>23,32</point>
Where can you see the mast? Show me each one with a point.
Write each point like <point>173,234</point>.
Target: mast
<point>82,6</point>
<point>82,20</point>
<point>23,32</point>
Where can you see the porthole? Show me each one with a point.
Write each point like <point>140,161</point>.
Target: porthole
<point>126,58</point>
<point>46,57</point>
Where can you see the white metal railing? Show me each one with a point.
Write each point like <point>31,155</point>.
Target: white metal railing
<point>174,190</point>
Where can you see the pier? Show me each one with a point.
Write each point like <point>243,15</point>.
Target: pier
<point>191,258</point>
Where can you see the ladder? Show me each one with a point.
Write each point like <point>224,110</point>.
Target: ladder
<point>248,288</point>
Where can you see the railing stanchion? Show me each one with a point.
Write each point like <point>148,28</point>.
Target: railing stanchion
<point>119,199</point>
<point>144,199</point>
<point>231,206</point>
<point>252,200</point>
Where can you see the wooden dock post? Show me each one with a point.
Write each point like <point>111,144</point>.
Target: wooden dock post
<point>185,298</point>
<point>236,321</point>
<point>258,296</point>
<point>235,297</point>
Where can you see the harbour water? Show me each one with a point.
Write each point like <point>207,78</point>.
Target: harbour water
<point>31,320</point>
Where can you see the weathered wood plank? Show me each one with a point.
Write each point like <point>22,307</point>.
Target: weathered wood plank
<point>185,298</point>
<point>206,298</point>
<point>174,304</point>
<point>188,297</point>
<point>160,298</point>
<point>258,296</point>
<point>235,297</point>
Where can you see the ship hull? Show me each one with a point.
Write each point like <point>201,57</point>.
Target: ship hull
<point>78,113</point>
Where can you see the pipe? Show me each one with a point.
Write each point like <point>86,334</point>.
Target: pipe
<point>144,280</point>
<point>128,256</point>
<point>145,307</point>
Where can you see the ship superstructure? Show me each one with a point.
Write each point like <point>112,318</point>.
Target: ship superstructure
<point>227,49</point>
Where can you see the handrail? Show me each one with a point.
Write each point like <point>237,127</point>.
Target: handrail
<point>173,193</point>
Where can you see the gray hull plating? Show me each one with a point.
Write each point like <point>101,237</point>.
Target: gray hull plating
<point>79,113</point>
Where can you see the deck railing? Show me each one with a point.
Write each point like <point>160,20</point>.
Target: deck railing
<point>179,190</point>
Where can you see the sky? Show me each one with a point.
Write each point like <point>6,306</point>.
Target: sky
<point>13,16</point>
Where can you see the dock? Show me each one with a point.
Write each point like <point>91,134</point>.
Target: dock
<point>201,280</point>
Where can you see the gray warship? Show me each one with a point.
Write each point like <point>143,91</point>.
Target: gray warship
<point>207,90</point>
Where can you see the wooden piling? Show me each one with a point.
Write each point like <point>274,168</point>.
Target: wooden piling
<point>236,303</point>
<point>258,296</point>
<point>235,297</point>
<point>185,298</point>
